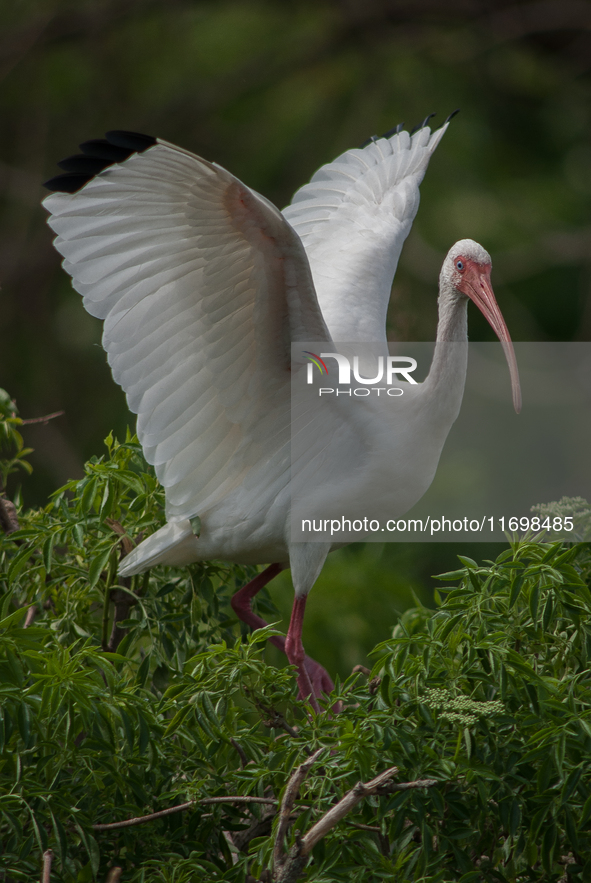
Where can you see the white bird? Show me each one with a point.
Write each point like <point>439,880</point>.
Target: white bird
<point>203,285</point>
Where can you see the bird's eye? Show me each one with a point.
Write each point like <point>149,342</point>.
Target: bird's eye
<point>460,265</point>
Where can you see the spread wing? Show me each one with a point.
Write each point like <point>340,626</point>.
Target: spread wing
<point>353,218</point>
<point>202,286</point>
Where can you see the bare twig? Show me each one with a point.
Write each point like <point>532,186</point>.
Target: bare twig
<point>47,860</point>
<point>240,750</point>
<point>374,685</point>
<point>373,828</point>
<point>126,541</point>
<point>406,786</point>
<point>141,820</point>
<point>43,420</point>
<point>289,797</point>
<point>8,518</point>
<point>123,601</point>
<point>274,719</point>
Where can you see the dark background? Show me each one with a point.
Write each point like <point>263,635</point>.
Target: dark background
<point>272,90</point>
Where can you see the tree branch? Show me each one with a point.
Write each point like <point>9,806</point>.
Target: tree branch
<point>8,518</point>
<point>343,808</point>
<point>240,750</point>
<point>44,419</point>
<point>291,867</point>
<point>141,820</point>
<point>126,542</point>
<point>289,797</point>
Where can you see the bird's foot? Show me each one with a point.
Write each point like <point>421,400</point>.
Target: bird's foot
<point>320,681</point>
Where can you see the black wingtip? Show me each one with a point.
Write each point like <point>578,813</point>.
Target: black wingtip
<point>452,115</point>
<point>99,148</point>
<point>423,124</point>
<point>369,141</point>
<point>133,141</point>
<point>395,131</point>
<point>97,155</point>
<point>68,183</point>
<point>83,164</point>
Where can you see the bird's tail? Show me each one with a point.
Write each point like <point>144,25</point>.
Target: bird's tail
<point>174,544</point>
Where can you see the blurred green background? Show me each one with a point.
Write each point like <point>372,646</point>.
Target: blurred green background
<point>272,90</point>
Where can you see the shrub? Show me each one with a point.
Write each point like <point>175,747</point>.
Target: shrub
<point>127,698</point>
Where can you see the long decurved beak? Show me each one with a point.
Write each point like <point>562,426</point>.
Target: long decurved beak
<point>478,288</point>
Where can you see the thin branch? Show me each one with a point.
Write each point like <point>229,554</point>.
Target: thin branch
<point>124,600</point>
<point>47,860</point>
<point>126,542</point>
<point>43,420</point>
<point>373,828</point>
<point>240,750</point>
<point>275,720</point>
<point>141,820</point>
<point>291,792</point>
<point>406,786</point>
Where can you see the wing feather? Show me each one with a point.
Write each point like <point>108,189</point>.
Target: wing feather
<point>202,286</point>
<point>353,218</point>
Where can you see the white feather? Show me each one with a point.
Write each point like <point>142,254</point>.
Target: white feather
<point>353,218</point>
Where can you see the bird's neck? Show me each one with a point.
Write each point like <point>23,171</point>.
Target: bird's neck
<point>448,369</point>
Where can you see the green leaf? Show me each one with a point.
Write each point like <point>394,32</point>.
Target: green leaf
<point>88,495</point>
<point>534,600</point>
<point>452,575</point>
<point>178,719</point>
<point>18,563</point>
<point>13,618</point>
<point>516,586</point>
<point>515,817</point>
<point>548,843</point>
<point>48,552</point>
<point>97,565</point>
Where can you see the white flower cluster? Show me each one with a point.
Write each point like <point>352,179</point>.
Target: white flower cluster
<point>575,507</point>
<point>459,709</point>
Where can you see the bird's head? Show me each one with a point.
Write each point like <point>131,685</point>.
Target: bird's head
<point>466,270</point>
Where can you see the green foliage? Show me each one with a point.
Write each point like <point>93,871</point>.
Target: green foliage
<point>12,449</point>
<point>490,696</point>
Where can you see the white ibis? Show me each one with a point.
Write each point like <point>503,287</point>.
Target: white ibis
<point>203,284</point>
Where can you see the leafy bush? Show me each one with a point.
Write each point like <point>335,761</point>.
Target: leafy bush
<point>121,699</point>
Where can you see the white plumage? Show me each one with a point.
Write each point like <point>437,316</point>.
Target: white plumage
<point>203,285</point>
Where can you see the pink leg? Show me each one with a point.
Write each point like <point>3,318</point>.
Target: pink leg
<point>241,602</point>
<point>316,674</point>
<point>294,650</point>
